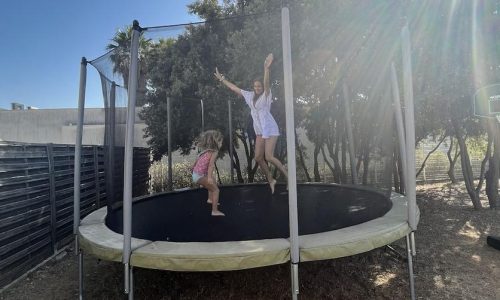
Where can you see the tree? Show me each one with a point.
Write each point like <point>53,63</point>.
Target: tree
<point>120,58</point>
<point>182,68</point>
<point>448,70</point>
<point>333,42</point>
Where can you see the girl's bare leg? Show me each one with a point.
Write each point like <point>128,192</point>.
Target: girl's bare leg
<point>259,158</point>
<point>269,145</point>
<point>213,192</point>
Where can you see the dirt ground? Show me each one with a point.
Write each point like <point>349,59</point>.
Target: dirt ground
<point>453,262</point>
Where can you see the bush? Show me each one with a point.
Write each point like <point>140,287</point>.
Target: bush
<point>181,175</point>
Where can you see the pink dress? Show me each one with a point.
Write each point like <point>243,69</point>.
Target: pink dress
<point>200,168</point>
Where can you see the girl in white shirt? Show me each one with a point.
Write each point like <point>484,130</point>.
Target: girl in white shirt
<point>266,130</point>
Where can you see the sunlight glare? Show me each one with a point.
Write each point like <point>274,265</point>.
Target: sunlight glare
<point>383,279</point>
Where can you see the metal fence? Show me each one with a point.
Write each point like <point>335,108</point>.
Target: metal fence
<point>436,169</point>
<point>36,199</point>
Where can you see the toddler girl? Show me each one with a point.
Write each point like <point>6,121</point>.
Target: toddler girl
<point>210,142</point>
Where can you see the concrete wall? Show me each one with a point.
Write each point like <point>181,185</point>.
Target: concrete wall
<point>58,126</point>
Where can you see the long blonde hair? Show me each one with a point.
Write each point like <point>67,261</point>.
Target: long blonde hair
<point>210,140</point>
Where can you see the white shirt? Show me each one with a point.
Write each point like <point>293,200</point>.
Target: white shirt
<point>263,122</point>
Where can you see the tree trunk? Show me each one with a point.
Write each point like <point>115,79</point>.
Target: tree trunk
<point>251,173</point>
<point>344,159</point>
<point>494,164</point>
<point>466,167</point>
<point>452,161</point>
<point>483,164</point>
<point>302,161</point>
<point>341,146</point>
<point>358,163</point>
<point>249,153</point>
<point>366,162</point>
<point>334,155</point>
<point>326,160</point>
<point>429,154</point>
<point>317,176</point>
<point>491,185</point>
<point>237,166</point>
<point>398,171</point>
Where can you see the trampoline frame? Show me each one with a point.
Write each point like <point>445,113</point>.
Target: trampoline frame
<point>100,241</point>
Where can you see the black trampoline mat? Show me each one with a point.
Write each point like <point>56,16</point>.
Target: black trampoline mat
<point>252,213</point>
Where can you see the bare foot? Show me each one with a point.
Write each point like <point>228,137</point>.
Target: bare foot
<point>210,202</point>
<point>217,213</point>
<point>272,183</point>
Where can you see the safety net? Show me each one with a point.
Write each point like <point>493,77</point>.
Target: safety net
<point>342,94</point>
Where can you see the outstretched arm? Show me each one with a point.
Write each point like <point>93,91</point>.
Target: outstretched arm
<point>227,83</point>
<point>267,64</point>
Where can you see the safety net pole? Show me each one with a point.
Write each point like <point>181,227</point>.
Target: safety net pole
<point>110,177</point>
<point>129,154</point>
<point>169,144</point>
<point>77,170</point>
<point>410,127</point>
<point>410,151</point>
<point>399,121</point>
<point>202,116</point>
<point>78,146</point>
<point>290,147</point>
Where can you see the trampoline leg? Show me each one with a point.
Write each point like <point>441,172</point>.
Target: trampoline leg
<point>77,246</point>
<point>80,274</point>
<point>126,278</point>
<point>413,245</point>
<point>295,280</point>
<point>410,267</point>
<point>131,288</point>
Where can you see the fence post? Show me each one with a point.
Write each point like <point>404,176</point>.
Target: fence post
<point>96,177</point>
<point>52,197</point>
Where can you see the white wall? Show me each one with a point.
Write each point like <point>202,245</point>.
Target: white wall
<point>58,126</point>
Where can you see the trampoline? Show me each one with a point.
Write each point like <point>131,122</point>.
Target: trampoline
<point>175,231</point>
<point>353,119</point>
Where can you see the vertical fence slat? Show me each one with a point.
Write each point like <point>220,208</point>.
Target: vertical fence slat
<point>96,177</point>
<point>52,197</point>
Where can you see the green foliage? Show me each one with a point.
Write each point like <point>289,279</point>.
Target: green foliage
<point>477,146</point>
<point>181,177</point>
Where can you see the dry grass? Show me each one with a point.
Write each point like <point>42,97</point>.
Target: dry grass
<point>453,262</point>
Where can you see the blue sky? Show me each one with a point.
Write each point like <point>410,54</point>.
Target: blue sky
<point>44,41</point>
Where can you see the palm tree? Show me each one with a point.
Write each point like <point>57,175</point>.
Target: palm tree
<point>120,56</point>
